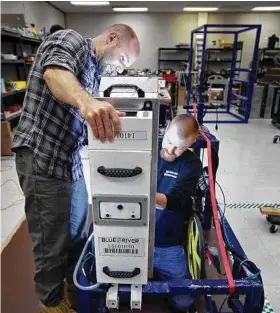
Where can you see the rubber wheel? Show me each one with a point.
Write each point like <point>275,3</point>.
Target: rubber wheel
<point>275,139</point>
<point>273,229</point>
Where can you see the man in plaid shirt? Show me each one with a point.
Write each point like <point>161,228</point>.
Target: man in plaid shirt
<point>59,102</point>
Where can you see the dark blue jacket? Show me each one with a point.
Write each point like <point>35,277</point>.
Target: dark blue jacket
<point>178,181</point>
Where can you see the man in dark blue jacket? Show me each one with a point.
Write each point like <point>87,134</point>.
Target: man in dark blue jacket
<point>179,170</point>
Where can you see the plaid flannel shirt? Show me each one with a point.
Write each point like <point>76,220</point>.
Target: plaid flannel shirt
<point>53,130</point>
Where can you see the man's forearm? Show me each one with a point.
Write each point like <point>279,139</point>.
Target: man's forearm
<point>65,87</point>
<point>161,200</point>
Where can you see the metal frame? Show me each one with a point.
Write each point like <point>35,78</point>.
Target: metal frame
<point>224,29</point>
<point>251,287</point>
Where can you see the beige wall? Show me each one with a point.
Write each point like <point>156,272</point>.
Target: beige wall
<point>39,13</point>
<point>270,25</point>
<point>154,30</point>
<point>165,30</point>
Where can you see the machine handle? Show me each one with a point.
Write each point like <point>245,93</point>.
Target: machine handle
<point>119,172</point>
<point>140,92</point>
<point>121,274</point>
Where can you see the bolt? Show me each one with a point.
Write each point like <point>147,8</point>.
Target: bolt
<point>120,206</point>
<point>107,215</point>
<point>132,215</point>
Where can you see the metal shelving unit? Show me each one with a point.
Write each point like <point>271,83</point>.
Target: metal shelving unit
<point>225,57</point>
<point>173,60</point>
<point>17,42</point>
<point>268,69</point>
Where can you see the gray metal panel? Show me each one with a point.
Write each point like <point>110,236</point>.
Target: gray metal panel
<point>257,100</point>
<point>96,199</point>
<point>153,185</point>
<point>269,100</point>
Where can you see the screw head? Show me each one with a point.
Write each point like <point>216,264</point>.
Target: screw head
<point>120,207</point>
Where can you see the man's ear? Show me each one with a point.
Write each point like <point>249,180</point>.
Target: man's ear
<point>112,39</point>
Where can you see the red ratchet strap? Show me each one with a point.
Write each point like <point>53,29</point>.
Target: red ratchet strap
<point>215,212</point>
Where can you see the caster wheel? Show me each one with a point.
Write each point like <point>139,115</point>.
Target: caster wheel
<point>267,218</point>
<point>273,229</point>
<point>275,139</point>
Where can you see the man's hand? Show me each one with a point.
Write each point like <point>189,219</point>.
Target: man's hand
<point>103,119</point>
<point>161,200</point>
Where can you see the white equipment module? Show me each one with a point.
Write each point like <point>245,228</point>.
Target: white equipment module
<point>123,186</point>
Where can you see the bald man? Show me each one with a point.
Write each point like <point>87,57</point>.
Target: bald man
<point>59,103</point>
<point>179,170</point>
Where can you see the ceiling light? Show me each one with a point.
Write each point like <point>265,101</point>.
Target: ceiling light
<point>130,9</point>
<point>266,9</point>
<point>90,3</point>
<point>200,9</point>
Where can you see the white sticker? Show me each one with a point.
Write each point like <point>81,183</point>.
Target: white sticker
<point>121,246</point>
<point>132,135</point>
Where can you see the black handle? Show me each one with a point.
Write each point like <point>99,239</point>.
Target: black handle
<point>119,172</point>
<point>121,274</point>
<point>140,92</point>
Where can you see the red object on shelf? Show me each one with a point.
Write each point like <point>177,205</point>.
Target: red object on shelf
<point>12,108</point>
<point>170,78</point>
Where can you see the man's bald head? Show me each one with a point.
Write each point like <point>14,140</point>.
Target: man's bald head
<point>117,48</point>
<point>125,34</point>
<point>185,125</point>
<point>179,136</point>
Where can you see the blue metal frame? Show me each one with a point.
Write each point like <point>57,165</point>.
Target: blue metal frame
<point>251,288</point>
<point>90,301</point>
<point>223,29</point>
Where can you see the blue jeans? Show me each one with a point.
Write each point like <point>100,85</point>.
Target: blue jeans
<point>78,223</point>
<point>170,263</point>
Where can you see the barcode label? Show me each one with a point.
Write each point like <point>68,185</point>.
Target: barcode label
<point>121,246</point>
<point>121,251</point>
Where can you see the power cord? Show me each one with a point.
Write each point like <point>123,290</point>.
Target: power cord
<point>223,303</point>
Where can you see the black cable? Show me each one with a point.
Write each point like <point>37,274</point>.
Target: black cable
<point>224,198</point>
<point>216,126</point>
<point>223,303</point>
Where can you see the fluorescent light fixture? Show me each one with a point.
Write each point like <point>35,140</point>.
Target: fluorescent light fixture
<point>266,9</point>
<point>130,9</point>
<point>91,3</point>
<point>190,9</point>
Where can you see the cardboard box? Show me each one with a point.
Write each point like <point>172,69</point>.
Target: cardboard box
<point>182,94</point>
<point>6,139</point>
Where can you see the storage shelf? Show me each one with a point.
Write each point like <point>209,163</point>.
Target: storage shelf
<point>172,49</point>
<point>14,36</point>
<point>12,116</point>
<point>221,49</point>
<point>173,60</point>
<point>21,61</point>
<point>30,40</point>
<point>222,61</point>
<point>12,93</point>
